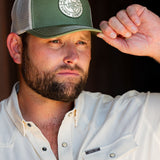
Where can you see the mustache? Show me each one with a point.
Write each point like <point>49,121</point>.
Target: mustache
<point>72,68</point>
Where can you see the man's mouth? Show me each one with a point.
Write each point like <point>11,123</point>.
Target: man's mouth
<point>67,72</point>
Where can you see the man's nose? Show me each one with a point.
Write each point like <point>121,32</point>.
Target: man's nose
<point>71,56</point>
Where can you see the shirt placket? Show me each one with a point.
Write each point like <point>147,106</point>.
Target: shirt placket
<point>65,137</point>
<point>39,142</point>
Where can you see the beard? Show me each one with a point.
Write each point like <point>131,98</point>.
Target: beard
<point>47,84</point>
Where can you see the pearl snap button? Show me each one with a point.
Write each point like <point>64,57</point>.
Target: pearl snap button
<point>112,155</point>
<point>64,144</point>
<point>70,114</point>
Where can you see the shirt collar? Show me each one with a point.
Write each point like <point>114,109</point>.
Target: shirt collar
<point>17,118</point>
<point>14,110</point>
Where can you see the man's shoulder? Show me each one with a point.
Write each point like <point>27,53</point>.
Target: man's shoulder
<point>6,125</point>
<point>133,95</point>
<point>133,103</point>
<point>104,105</point>
<point>96,96</point>
<point>128,99</point>
<point>3,103</point>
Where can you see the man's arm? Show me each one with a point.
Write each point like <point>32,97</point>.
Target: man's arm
<point>135,31</point>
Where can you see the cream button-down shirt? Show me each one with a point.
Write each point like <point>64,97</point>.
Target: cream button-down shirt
<point>98,128</point>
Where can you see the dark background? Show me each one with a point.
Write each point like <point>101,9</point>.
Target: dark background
<point>111,72</point>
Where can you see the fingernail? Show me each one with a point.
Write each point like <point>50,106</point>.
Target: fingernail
<point>103,25</point>
<point>134,29</point>
<point>128,34</point>
<point>137,21</point>
<point>113,35</point>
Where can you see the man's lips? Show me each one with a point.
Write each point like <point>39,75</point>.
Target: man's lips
<point>68,73</point>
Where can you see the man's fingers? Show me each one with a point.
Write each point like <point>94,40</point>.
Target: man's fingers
<point>107,30</point>
<point>134,12</point>
<point>126,21</point>
<point>118,27</point>
<point>113,27</point>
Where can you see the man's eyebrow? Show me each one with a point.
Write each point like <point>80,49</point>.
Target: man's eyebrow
<point>85,37</point>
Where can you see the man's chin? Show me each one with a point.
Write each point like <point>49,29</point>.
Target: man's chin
<point>63,97</point>
<point>68,80</point>
<point>65,92</point>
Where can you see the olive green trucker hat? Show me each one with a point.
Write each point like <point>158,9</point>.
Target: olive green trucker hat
<point>51,18</point>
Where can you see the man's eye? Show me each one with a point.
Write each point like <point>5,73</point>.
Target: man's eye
<point>56,44</point>
<point>82,43</point>
<point>55,41</point>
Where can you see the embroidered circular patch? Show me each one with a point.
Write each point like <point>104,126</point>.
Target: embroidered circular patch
<point>71,8</point>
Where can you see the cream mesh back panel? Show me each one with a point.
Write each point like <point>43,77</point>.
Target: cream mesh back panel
<point>21,16</point>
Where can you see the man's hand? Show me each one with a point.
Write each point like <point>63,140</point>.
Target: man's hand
<point>135,31</point>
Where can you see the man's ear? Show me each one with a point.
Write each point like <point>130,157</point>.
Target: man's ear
<point>14,44</point>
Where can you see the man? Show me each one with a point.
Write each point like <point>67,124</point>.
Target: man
<point>48,116</point>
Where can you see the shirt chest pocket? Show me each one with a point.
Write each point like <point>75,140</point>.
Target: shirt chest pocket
<point>120,148</point>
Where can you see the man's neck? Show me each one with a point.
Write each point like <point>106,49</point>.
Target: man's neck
<point>46,114</point>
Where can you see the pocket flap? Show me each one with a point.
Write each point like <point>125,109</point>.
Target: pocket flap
<point>113,151</point>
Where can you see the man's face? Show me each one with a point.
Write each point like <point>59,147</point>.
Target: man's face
<point>57,68</point>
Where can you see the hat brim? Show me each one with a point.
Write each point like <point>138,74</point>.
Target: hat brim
<point>56,31</point>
